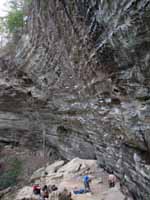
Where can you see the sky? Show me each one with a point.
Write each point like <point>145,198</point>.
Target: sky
<point>3,7</point>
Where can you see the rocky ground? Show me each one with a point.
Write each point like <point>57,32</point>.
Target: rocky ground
<point>70,176</point>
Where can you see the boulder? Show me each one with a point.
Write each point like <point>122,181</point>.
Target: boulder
<point>78,165</point>
<point>37,174</point>
<point>5,191</point>
<point>25,194</point>
<point>64,195</point>
<point>50,170</point>
<point>55,166</point>
<point>60,195</point>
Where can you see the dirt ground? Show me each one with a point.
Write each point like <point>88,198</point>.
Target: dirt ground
<point>70,176</point>
<point>99,187</point>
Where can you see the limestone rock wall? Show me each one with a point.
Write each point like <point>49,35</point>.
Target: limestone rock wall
<point>82,75</point>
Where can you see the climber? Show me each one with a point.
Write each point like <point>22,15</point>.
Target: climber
<point>65,194</point>
<point>111,180</point>
<point>45,193</point>
<point>36,189</point>
<point>53,188</point>
<point>86,181</point>
<point>26,19</point>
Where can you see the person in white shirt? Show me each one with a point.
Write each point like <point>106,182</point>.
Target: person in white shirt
<point>112,180</point>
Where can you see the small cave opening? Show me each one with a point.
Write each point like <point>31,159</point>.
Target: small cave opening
<point>62,130</point>
<point>116,90</point>
<point>63,134</point>
<point>87,136</point>
<point>145,157</point>
<point>115,101</point>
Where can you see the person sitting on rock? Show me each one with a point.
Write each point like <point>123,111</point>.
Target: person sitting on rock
<point>36,189</point>
<point>111,180</point>
<point>65,195</point>
<point>54,188</point>
<point>86,181</point>
<point>45,192</point>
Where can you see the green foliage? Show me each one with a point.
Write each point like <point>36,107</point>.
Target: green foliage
<point>28,2</point>
<point>1,26</point>
<point>143,98</point>
<point>14,20</point>
<point>9,177</point>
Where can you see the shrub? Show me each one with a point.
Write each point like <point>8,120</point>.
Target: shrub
<point>14,20</point>
<point>9,177</point>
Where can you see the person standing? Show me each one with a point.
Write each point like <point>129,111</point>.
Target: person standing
<point>45,193</point>
<point>86,181</point>
<point>36,189</point>
<point>111,180</point>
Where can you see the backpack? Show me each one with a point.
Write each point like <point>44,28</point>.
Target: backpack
<point>36,190</point>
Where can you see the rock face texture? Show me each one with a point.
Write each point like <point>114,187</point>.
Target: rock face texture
<point>82,77</point>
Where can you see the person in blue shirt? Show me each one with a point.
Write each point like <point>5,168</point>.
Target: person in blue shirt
<point>86,181</point>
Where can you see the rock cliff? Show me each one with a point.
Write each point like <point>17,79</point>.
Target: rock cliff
<point>82,76</point>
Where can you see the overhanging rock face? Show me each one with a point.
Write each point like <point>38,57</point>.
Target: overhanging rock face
<point>83,76</point>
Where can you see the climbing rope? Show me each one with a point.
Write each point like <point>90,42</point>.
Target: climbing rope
<point>44,156</point>
<point>44,173</point>
<point>14,141</point>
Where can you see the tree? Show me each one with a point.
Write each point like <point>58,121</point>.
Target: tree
<point>13,24</point>
<point>14,20</point>
<point>15,16</point>
<point>1,26</point>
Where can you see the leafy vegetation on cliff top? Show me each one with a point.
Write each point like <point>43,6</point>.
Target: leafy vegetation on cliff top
<point>14,21</point>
